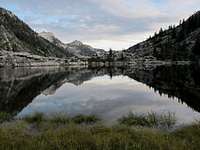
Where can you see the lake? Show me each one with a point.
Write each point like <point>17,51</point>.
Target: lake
<point>109,93</point>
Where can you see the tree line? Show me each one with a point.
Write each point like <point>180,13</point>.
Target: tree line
<point>172,43</point>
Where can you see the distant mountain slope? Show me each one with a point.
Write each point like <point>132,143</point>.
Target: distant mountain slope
<point>76,48</point>
<point>17,36</point>
<point>51,38</point>
<point>80,49</point>
<point>176,43</point>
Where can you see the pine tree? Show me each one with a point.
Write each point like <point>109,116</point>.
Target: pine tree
<point>110,55</point>
<point>161,31</point>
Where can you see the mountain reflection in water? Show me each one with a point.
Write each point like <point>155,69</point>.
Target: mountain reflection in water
<point>106,92</point>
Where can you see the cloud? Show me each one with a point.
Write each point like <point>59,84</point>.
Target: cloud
<point>102,23</point>
<point>128,8</point>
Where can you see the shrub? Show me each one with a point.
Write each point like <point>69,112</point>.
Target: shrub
<point>5,117</point>
<point>60,119</point>
<point>36,118</point>
<point>150,120</point>
<point>85,119</point>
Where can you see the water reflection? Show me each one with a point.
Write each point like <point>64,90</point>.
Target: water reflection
<point>106,92</point>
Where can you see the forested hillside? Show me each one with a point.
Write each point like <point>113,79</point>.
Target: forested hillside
<point>180,42</point>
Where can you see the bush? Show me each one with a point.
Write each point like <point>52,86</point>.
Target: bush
<point>149,120</point>
<point>60,119</point>
<point>5,117</point>
<point>80,119</point>
<point>36,118</point>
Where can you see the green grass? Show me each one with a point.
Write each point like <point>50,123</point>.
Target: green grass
<point>84,133</point>
<point>153,120</point>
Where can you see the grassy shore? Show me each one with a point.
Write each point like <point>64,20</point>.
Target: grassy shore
<point>133,132</point>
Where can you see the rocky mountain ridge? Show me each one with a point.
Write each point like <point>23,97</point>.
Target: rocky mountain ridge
<point>76,47</point>
<point>17,36</point>
<point>21,46</point>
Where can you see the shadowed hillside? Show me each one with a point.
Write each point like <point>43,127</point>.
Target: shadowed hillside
<point>17,36</point>
<point>180,42</point>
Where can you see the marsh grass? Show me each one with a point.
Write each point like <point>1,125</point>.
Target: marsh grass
<point>149,120</point>
<point>77,133</point>
<point>98,137</point>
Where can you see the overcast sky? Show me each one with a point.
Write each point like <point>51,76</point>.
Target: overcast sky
<point>116,24</point>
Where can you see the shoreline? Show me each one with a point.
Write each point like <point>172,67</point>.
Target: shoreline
<point>19,59</point>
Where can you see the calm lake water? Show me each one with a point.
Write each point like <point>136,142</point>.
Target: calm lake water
<point>108,93</point>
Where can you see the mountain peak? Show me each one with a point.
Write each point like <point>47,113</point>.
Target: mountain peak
<point>76,43</point>
<point>47,35</point>
<point>51,38</point>
<point>6,12</point>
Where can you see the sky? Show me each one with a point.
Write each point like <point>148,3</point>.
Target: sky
<point>116,24</point>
